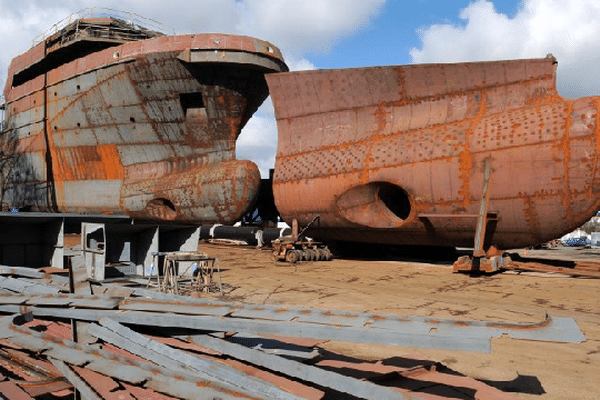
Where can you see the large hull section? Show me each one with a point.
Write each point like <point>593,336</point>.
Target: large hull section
<point>145,129</point>
<point>398,154</point>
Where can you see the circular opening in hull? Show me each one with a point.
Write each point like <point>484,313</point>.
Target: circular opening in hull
<point>395,199</point>
<point>377,204</point>
<point>161,208</point>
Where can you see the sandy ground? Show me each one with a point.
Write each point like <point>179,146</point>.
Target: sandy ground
<point>537,370</point>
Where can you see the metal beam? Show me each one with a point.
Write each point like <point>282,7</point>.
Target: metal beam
<point>290,329</point>
<point>361,389</point>
<point>180,361</point>
<point>483,211</point>
<point>85,390</point>
<point>175,307</point>
<point>313,324</point>
<point>25,286</point>
<point>273,346</point>
<point>561,329</point>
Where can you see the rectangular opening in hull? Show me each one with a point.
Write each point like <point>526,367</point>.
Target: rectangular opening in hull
<point>193,105</point>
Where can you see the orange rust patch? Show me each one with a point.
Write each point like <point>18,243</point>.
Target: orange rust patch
<point>113,169</point>
<point>597,149</point>
<point>381,115</point>
<point>565,146</point>
<point>465,164</point>
<point>90,162</point>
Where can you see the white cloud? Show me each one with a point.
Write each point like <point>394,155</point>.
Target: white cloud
<point>301,64</point>
<point>569,29</point>
<point>308,26</point>
<point>258,140</point>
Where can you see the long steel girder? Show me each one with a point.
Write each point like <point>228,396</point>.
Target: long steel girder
<point>213,316</point>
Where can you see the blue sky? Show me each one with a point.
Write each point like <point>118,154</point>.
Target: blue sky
<point>390,36</point>
<point>355,33</point>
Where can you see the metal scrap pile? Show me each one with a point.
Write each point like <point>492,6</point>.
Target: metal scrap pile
<point>132,343</point>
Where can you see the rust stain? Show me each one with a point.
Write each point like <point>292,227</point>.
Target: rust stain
<point>595,186</point>
<point>382,117</point>
<point>530,215</point>
<point>546,322</point>
<point>465,164</point>
<point>461,323</point>
<point>566,149</point>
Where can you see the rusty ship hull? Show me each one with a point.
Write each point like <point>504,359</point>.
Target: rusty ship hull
<point>102,118</point>
<point>398,154</point>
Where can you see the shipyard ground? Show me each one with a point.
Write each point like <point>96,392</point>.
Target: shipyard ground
<point>526,369</point>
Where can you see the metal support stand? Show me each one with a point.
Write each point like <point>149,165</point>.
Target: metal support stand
<point>201,277</point>
<point>482,220</point>
<point>479,262</point>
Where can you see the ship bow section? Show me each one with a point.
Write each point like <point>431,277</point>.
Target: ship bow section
<point>143,128</point>
<point>216,193</point>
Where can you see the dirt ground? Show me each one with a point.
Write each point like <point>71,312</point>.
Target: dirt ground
<point>534,369</point>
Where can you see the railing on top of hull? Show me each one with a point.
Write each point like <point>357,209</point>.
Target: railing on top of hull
<point>100,12</point>
<point>102,31</point>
